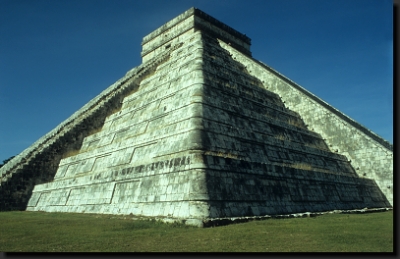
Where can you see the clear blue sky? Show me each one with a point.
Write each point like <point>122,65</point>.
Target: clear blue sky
<point>57,55</point>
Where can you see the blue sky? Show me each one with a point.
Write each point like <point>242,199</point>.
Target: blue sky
<point>57,55</point>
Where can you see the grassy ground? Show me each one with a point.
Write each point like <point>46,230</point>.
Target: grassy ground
<point>55,232</point>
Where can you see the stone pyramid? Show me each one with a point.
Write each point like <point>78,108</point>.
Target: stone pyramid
<point>201,130</point>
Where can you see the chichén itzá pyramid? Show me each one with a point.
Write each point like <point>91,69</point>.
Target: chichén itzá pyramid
<point>201,130</point>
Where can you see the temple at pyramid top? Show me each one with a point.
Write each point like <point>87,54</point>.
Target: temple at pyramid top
<point>193,19</point>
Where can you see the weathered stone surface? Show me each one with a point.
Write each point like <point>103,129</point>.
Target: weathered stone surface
<point>201,131</point>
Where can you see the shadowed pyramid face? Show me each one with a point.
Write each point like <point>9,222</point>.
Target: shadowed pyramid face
<point>202,137</point>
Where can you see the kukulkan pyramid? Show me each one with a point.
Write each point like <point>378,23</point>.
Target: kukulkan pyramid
<point>202,130</point>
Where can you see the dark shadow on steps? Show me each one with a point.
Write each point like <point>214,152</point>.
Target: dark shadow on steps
<point>261,158</point>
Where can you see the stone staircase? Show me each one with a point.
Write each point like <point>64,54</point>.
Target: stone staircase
<point>39,162</point>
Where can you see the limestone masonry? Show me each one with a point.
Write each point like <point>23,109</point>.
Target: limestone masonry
<point>201,130</point>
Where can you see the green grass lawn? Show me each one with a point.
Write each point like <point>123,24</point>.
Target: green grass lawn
<point>67,232</point>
